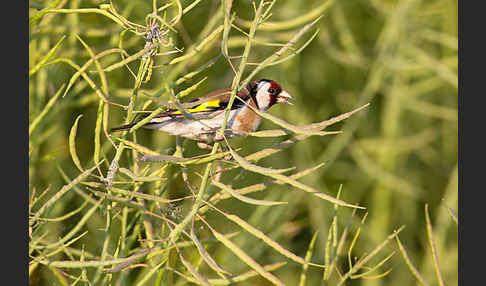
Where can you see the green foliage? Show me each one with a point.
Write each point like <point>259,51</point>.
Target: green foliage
<point>355,184</point>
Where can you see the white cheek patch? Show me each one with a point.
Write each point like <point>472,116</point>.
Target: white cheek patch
<point>262,95</point>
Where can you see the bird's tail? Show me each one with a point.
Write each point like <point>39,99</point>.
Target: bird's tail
<point>123,127</point>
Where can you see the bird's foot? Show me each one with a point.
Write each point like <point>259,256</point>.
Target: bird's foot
<point>206,146</point>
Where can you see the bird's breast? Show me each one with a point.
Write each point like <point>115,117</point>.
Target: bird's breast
<point>246,121</point>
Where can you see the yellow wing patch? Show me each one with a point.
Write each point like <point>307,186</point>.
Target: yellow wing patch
<point>202,107</point>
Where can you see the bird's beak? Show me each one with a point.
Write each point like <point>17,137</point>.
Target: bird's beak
<point>284,97</point>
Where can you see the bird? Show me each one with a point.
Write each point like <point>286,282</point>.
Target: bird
<point>208,113</point>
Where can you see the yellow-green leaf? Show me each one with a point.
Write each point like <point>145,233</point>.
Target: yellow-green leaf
<point>245,199</point>
<point>72,144</point>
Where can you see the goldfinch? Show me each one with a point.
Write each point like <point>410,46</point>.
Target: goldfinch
<point>208,113</point>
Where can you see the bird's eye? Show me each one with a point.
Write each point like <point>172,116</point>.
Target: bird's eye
<point>272,90</point>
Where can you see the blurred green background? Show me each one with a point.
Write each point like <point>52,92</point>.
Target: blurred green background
<point>394,157</point>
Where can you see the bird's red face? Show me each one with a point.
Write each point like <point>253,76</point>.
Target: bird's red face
<point>268,92</point>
